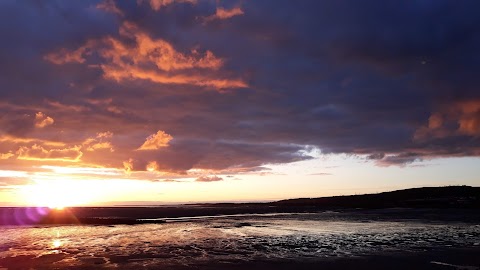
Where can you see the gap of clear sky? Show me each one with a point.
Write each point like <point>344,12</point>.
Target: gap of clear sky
<point>152,101</point>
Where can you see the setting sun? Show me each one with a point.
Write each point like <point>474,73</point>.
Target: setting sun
<point>58,194</point>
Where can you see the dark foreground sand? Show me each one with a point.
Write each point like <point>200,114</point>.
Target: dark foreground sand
<point>466,259</point>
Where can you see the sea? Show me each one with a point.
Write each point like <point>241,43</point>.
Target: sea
<point>247,241</point>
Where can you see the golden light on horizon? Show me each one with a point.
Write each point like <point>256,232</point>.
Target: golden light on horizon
<point>58,194</point>
<point>58,191</point>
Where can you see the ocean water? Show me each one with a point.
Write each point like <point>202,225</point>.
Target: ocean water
<point>196,242</point>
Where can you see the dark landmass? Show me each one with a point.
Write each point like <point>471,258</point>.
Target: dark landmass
<point>457,203</point>
<point>426,197</point>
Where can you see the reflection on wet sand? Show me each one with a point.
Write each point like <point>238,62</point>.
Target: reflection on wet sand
<point>56,243</point>
<point>231,240</point>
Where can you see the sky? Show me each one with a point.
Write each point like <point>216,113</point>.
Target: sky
<point>160,101</point>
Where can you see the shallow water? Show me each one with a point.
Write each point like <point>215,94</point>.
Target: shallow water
<point>228,239</point>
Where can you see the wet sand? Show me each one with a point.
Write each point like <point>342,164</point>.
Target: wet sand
<point>466,259</point>
<point>324,240</point>
<point>453,259</point>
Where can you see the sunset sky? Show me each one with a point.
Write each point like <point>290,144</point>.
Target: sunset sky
<point>161,101</point>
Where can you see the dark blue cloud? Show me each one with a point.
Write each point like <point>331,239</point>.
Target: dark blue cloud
<point>344,76</point>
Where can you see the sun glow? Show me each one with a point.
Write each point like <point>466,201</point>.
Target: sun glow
<point>58,194</point>
<point>56,243</point>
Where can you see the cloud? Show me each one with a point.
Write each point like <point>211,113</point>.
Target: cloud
<point>158,52</point>
<point>64,107</point>
<point>152,166</point>
<point>37,152</point>
<point>469,119</point>
<point>458,119</point>
<point>150,59</point>
<point>13,179</point>
<point>42,120</point>
<point>158,4</point>
<point>65,56</point>
<point>321,173</point>
<point>24,140</point>
<point>128,166</point>
<point>101,141</point>
<point>109,6</point>
<point>32,149</point>
<point>394,83</point>
<point>16,124</point>
<point>402,159</point>
<point>156,141</point>
<point>171,181</point>
<point>189,157</point>
<point>213,178</point>
<point>6,155</point>
<point>223,14</point>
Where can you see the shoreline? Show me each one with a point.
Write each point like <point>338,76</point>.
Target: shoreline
<point>161,215</point>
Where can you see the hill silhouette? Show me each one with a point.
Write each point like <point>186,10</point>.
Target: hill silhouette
<point>431,197</point>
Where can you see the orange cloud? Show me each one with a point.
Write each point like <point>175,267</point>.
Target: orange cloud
<point>11,139</point>
<point>109,6</point>
<point>114,109</point>
<point>469,120</point>
<point>435,121</point>
<point>160,53</point>
<point>119,74</point>
<point>152,166</point>
<point>99,142</point>
<point>63,107</point>
<point>156,141</point>
<point>6,155</point>
<point>223,14</point>
<point>461,118</point>
<point>106,134</point>
<point>128,166</point>
<point>157,52</point>
<point>65,56</point>
<point>37,152</point>
<point>158,4</point>
<point>101,145</point>
<point>105,103</point>
<point>150,59</point>
<point>42,120</point>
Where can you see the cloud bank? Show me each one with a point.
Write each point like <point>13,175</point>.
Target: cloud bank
<point>239,86</point>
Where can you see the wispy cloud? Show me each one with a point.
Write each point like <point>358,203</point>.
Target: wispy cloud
<point>212,178</point>
<point>321,173</point>
<point>223,14</point>
<point>109,6</point>
<point>158,4</point>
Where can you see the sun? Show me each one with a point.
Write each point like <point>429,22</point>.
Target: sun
<point>58,194</point>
